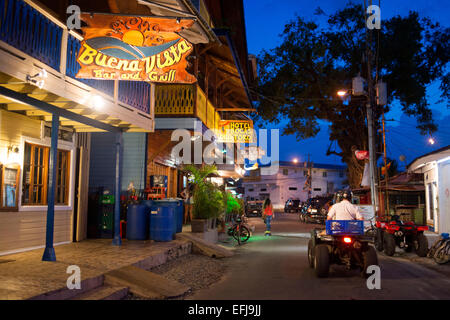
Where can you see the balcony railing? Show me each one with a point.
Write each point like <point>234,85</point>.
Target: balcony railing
<point>32,30</point>
<point>185,101</point>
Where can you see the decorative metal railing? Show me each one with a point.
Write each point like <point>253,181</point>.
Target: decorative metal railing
<point>26,29</point>
<point>135,94</point>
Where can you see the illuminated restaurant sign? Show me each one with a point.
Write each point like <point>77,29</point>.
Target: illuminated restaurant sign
<point>235,131</point>
<point>134,48</point>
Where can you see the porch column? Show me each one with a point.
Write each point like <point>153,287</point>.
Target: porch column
<point>117,241</point>
<point>49,253</point>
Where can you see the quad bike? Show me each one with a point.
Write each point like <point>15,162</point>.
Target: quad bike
<point>405,235</point>
<point>344,248</point>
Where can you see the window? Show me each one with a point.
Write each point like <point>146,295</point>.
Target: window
<point>35,177</point>
<point>262,190</point>
<point>9,179</point>
<point>341,174</point>
<point>324,174</point>
<point>305,173</point>
<point>250,190</point>
<point>285,172</point>
<point>293,188</point>
<point>317,189</point>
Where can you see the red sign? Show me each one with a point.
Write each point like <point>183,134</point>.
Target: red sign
<point>361,155</point>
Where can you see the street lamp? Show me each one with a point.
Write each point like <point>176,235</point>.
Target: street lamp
<point>295,160</point>
<point>342,93</point>
<point>431,141</point>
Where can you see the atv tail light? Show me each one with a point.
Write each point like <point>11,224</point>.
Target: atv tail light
<point>347,240</point>
<point>394,228</point>
<point>422,228</point>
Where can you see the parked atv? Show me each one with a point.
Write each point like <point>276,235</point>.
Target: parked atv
<point>345,244</point>
<point>405,235</point>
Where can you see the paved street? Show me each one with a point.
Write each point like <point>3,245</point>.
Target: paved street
<point>277,268</point>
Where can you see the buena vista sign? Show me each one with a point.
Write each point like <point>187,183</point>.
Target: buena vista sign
<point>134,48</point>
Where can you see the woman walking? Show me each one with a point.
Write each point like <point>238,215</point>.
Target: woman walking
<point>268,216</point>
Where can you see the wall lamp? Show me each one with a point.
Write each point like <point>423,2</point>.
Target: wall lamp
<point>38,78</point>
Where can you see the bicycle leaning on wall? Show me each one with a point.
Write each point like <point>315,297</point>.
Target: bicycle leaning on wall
<point>440,251</point>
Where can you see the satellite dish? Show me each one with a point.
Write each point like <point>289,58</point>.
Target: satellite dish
<point>402,158</point>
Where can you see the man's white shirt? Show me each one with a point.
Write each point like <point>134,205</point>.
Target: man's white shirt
<point>344,210</point>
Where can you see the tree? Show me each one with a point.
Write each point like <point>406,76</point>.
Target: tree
<point>299,79</point>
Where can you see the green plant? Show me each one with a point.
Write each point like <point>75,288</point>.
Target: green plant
<point>208,199</point>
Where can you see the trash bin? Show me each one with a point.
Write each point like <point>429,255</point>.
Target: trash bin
<point>137,222</point>
<point>163,220</point>
<point>179,214</point>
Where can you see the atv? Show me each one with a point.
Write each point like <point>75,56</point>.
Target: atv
<point>341,245</point>
<point>397,233</point>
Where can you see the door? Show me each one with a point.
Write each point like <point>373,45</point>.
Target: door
<point>81,187</point>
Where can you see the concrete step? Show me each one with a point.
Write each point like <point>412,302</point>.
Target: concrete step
<point>145,283</point>
<point>204,247</point>
<point>105,292</point>
<point>66,293</point>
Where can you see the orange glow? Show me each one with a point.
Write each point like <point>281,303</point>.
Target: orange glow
<point>341,93</point>
<point>347,240</point>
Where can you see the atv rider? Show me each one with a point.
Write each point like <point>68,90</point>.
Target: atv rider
<point>344,209</point>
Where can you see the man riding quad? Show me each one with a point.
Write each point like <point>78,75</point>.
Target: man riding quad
<point>343,241</point>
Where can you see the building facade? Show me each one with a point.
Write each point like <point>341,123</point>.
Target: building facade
<point>292,182</point>
<point>63,139</point>
<point>435,167</point>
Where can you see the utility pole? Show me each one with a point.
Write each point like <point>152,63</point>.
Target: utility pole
<point>386,175</point>
<point>370,106</point>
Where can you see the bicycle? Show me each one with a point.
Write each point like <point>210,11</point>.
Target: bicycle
<point>440,251</point>
<point>238,230</point>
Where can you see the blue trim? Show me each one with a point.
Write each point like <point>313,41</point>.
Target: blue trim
<point>49,253</point>
<point>26,29</point>
<point>117,241</point>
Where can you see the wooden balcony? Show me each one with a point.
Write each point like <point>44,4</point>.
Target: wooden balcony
<point>188,101</point>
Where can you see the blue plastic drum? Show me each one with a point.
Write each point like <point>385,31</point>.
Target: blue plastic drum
<point>163,220</point>
<point>137,222</point>
<point>179,215</point>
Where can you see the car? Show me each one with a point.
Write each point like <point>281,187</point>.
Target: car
<point>292,206</point>
<point>315,209</point>
<point>341,245</point>
<point>253,209</point>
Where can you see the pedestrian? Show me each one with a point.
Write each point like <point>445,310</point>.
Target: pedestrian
<point>268,215</point>
<point>188,195</point>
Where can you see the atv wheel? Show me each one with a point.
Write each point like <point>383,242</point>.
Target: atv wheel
<point>321,260</point>
<point>370,258</point>
<point>421,245</point>
<point>379,239</point>
<point>311,254</point>
<point>389,244</point>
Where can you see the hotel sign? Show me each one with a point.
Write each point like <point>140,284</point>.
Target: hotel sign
<point>134,48</point>
<point>235,131</point>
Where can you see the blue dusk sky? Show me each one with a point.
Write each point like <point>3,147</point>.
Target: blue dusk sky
<point>265,20</point>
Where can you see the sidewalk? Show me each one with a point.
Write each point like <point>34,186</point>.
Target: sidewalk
<point>25,276</point>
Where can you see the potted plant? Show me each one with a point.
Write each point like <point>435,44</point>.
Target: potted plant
<point>208,200</point>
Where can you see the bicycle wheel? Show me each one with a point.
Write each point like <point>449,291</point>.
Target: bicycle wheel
<point>442,254</point>
<point>245,234</point>
<point>236,234</point>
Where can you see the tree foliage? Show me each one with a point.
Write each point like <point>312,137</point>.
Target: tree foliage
<point>299,79</point>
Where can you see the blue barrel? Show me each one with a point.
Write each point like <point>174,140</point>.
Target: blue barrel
<point>147,204</point>
<point>179,214</point>
<point>163,220</point>
<point>137,222</point>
